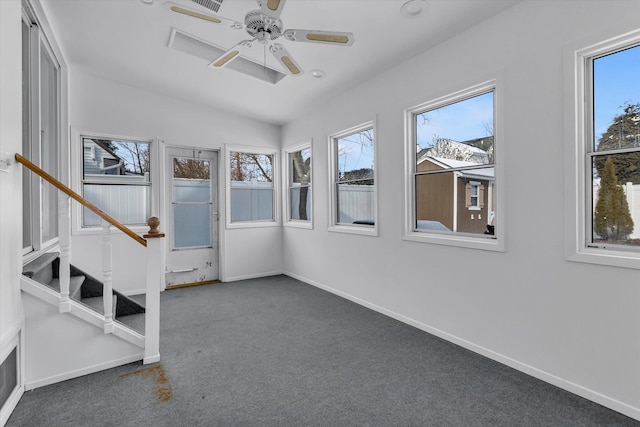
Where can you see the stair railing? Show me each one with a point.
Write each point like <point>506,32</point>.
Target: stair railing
<point>154,268</point>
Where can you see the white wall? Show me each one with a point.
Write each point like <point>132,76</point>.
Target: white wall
<point>10,189</point>
<point>575,325</point>
<point>107,107</point>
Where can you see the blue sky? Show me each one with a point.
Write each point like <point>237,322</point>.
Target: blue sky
<point>616,81</point>
<point>461,121</point>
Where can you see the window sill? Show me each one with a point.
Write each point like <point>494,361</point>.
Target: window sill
<point>459,240</point>
<point>607,257</point>
<point>355,229</point>
<point>299,224</point>
<point>252,224</point>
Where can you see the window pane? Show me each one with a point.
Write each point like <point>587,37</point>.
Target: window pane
<point>27,240</point>
<point>355,154</point>
<point>300,201</point>
<point>356,202</point>
<point>192,225</point>
<point>49,147</point>
<point>458,132</point>
<point>454,181</point>
<point>300,180</point>
<point>116,178</point>
<point>191,180</point>
<point>300,163</point>
<point>129,204</point>
<point>616,103</point>
<point>616,199</point>
<point>252,192</point>
<point>442,204</point>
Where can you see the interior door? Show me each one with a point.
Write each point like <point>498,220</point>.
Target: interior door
<point>192,195</point>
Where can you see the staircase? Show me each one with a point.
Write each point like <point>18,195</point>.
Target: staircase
<point>86,290</point>
<point>75,324</point>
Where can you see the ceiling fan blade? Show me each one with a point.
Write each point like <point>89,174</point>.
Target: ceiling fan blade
<point>283,56</point>
<point>231,54</point>
<point>194,13</point>
<point>272,8</point>
<point>327,37</point>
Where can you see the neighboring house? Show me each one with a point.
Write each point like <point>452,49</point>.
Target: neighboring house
<point>462,201</point>
<point>99,159</point>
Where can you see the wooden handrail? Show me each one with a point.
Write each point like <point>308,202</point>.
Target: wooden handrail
<point>75,196</point>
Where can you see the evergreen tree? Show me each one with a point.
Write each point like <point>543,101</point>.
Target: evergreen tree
<point>623,132</point>
<point>612,217</point>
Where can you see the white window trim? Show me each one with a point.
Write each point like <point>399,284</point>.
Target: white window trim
<point>275,222</point>
<point>577,134</point>
<point>476,184</point>
<point>473,241</point>
<point>41,37</point>
<point>286,179</point>
<point>334,226</point>
<point>77,156</point>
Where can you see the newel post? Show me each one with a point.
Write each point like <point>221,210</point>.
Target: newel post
<point>154,280</point>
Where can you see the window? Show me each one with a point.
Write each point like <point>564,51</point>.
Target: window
<point>41,136</point>
<point>299,198</point>
<point>251,186</point>
<point>451,191</point>
<point>353,180</point>
<point>116,178</point>
<point>608,147</point>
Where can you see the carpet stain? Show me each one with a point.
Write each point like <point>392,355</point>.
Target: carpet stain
<point>161,387</point>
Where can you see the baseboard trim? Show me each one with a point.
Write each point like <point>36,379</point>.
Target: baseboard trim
<point>252,276</point>
<point>189,285</point>
<point>564,384</point>
<point>84,371</point>
<point>10,404</point>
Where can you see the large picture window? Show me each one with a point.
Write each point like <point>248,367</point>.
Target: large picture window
<point>353,183</point>
<point>251,186</point>
<point>116,177</point>
<point>452,150</point>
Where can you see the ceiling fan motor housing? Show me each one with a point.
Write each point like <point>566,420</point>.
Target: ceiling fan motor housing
<point>263,27</point>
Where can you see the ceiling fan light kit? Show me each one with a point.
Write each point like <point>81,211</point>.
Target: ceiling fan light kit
<point>264,26</point>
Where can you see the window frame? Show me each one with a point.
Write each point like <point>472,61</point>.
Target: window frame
<point>77,174</point>
<point>288,177</point>
<point>275,222</point>
<point>580,150</point>
<point>34,187</point>
<point>494,242</point>
<point>334,225</point>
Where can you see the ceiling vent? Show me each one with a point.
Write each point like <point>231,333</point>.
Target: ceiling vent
<point>186,43</point>
<point>209,4</point>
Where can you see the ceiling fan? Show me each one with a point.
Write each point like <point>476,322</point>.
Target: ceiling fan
<point>264,26</point>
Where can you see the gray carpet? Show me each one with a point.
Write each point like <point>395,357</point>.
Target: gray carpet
<point>277,352</point>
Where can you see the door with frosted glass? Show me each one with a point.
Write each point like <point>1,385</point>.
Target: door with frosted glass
<point>192,195</point>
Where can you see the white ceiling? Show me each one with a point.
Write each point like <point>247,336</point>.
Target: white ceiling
<point>127,41</point>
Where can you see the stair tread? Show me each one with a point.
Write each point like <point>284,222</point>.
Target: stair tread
<point>97,304</point>
<point>35,266</point>
<point>133,321</point>
<point>75,283</point>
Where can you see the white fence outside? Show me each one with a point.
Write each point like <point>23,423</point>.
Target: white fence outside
<point>355,202</point>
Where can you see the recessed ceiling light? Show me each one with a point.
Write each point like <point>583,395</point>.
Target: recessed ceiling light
<point>413,8</point>
<point>148,2</point>
<point>318,73</point>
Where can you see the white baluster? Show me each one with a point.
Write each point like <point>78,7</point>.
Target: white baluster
<point>155,271</point>
<point>64,228</point>
<point>107,290</point>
